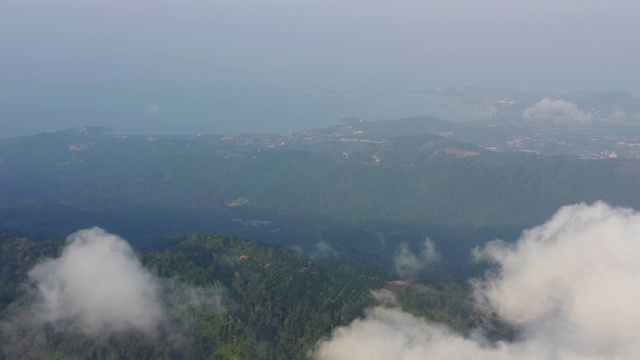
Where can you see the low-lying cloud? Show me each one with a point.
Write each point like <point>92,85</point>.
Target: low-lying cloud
<point>97,285</point>
<point>408,264</point>
<point>570,287</point>
<point>323,250</point>
<point>99,289</point>
<point>556,112</point>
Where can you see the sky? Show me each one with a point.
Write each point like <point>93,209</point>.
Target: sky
<point>217,66</point>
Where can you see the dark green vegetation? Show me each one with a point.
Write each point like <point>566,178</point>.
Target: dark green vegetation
<point>277,303</point>
<point>350,187</point>
<point>17,256</point>
<point>347,196</point>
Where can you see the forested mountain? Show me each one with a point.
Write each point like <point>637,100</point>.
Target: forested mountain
<point>346,218</point>
<point>361,195</point>
<point>253,301</point>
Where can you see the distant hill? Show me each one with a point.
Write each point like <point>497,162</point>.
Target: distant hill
<point>350,187</point>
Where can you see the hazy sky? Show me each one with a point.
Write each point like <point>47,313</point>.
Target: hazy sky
<point>224,66</point>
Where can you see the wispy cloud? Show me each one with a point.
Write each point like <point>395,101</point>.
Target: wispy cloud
<point>408,264</point>
<point>324,250</point>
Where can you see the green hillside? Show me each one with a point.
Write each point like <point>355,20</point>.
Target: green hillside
<point>277,303</point>
<point>362,198</point>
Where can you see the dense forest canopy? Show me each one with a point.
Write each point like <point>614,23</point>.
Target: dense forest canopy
<point>222,298</point>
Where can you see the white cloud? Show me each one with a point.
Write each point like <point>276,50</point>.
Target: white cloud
<point>571,286</point>
<point>408,265</point>
<point>98,288</point>
<point>557,112</point>
<point>97,285</point>
<point>384,297</point>
<point>323,250</point>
